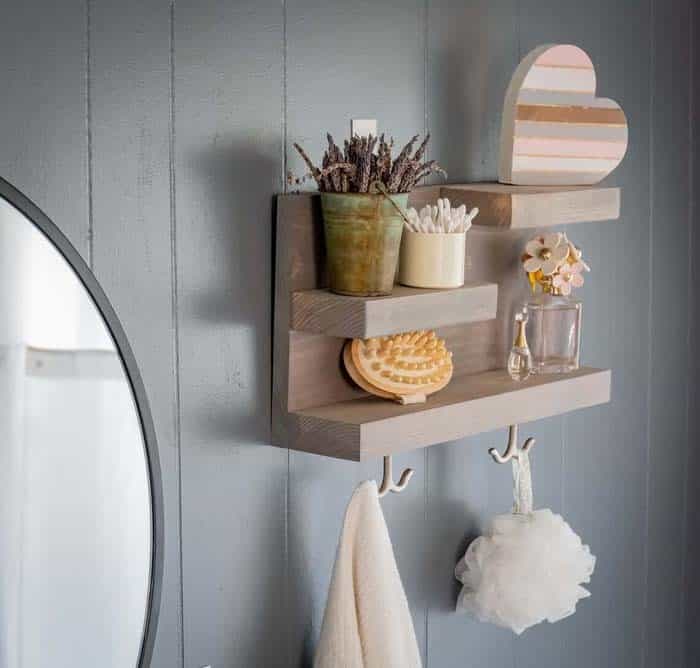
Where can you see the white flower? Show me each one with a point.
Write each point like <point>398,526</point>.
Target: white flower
<point>569,276</point>
<point>576,255</point>
<point>546,253</point>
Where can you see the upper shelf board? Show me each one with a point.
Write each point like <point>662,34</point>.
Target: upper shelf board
<point>406,309</point>
<point>519,207</point>
<point>370,427</point>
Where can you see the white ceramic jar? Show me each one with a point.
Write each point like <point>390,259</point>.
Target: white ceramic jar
<point>432,260</point>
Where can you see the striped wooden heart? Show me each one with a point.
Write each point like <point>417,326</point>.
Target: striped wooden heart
<point>555,131</point>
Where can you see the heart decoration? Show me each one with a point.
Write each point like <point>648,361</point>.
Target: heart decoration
<point>555,131</point>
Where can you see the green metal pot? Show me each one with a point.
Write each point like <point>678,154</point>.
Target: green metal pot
<point>363,238</point>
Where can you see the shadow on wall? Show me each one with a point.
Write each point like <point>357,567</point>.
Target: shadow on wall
<point>226,305</point>
<point>233,296</point>
<point>300,585</point>
<point>450,507</point>
<point>468,80</point>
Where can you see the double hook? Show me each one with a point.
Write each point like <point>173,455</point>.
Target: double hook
<point>388,485</point>
<point>512,450</point>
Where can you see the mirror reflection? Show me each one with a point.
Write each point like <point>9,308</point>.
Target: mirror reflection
<point>75,523</point>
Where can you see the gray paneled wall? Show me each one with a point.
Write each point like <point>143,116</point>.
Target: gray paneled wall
<point>156,133</point>
<point>129,102</point>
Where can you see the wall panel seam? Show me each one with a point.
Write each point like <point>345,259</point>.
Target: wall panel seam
<point>650,332</point>
<point>425,67</point>
<point>176,329</point>
<point>691,317</point>
<point>426,457</point>
<point>288,482</point>
<point>284,96</point>
<point>426,515</point>
<point>88,129</point>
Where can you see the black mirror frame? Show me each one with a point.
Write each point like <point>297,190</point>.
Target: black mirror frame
<point>84,273</point>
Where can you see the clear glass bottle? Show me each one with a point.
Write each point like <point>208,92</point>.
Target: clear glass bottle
<point>554,332</point>
<point>520,361</point>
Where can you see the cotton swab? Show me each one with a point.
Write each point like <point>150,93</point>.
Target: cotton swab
<point>441,218</point>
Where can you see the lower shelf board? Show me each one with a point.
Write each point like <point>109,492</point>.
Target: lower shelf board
<point>369,427</point>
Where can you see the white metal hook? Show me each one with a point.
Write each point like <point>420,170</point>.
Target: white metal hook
<point>388,484</point>
<point>512,450</point>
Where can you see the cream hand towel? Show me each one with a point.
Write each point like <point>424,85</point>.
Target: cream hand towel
<point>367,623</point>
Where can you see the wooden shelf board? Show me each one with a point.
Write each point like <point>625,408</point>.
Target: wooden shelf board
<point>520,207</point>
<point>368,427</point>
<point>322,312</point>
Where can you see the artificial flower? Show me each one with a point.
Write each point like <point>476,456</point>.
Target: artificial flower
<point>569,276</point>
<point>575,255</point>
<point>546,254</point>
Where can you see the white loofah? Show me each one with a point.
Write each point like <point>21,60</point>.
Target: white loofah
<point>525,569</point>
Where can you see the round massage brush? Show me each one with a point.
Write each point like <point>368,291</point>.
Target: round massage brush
<point>406,367</point>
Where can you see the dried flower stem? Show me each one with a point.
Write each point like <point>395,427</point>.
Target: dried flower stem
<point>356,167</point>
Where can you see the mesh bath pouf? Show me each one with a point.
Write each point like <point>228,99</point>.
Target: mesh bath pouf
<point>527,567</point>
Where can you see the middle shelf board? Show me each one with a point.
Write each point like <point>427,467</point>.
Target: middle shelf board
<point>368,427</point>
<point>406,309</point>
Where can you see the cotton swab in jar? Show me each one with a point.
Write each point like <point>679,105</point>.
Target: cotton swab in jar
<point>440,218</point>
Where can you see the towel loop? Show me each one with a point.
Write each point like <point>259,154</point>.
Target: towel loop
<point>512,450</point>
<point>388,485</point>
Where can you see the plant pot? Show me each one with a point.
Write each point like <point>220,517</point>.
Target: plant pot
<point>432,260</point>
<point>363,238</point>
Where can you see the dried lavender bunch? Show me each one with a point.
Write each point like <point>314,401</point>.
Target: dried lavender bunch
<point>357,166</point>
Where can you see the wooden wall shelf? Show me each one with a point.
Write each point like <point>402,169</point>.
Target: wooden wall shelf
<point>316,407</point>
<point>406,309</point>
<point>519,207</point>
<point>370,427</point>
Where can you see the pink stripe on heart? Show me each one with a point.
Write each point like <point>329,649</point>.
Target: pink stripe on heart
<point>537,146</point>
<point>565,55</point>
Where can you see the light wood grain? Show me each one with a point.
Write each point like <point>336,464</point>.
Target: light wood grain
<point>307,366</point>
<point>522,207</point>
<point>308,370</point>
<point>304,361</point>
<point>322,312</point>
<point>370,427</point>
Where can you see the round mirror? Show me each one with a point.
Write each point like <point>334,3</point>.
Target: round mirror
<point>79,486</point>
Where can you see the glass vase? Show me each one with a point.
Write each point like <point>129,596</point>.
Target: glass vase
<point>554,333</point>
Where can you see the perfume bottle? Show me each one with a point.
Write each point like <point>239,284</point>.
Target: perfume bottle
<point>554,266</point>
<point>554,331</point>
<point>520,360</point>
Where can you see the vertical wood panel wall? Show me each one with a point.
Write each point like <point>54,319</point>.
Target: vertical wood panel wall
<point>156,133</point>
<point>692,526</point>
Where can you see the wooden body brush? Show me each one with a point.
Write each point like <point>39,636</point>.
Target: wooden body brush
<point>403,367</point>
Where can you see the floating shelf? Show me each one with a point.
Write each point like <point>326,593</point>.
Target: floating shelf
<point>406,309</point>
<point>519,207</point>
<point>371,427</point>
<point>317,408</point>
